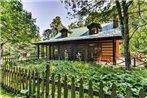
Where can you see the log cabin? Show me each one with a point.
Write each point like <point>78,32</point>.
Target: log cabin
<point>96,42</point>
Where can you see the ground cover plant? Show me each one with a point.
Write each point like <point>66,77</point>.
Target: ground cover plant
<point>4,94</point>
<point>108,74</point>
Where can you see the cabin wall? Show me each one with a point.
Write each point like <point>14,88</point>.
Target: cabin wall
<point>89,50</point>
<point>107,51</point>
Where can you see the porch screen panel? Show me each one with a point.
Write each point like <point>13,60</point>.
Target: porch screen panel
<point>80,51</point>
<point>62,48</point>
<point>94,51</point>
<point>65,48</point>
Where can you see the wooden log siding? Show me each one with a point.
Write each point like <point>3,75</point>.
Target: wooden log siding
<point>58,89</point>
<point>107,51</point>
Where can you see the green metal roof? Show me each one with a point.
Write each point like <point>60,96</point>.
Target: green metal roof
<point>83,33</point>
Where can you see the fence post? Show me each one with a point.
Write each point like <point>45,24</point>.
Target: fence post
<point>20,81</point>
<point>113,93</point>
<point>90,89</point>
<point>72,87</point>
<point>142,93</point>
<point>81,90</point>
<point>26,78</point>
<point>23,78</point>
<point>30,82</point>
<point>101,91</point>
<point>2,79</point>
<point>7,77</point>
<point>134,62</point>
<point>47,79</point>
<point>128,92</point>
<point>17,79</point>
<point>34,82</point>
<point>53,86</point>
<point>9,74</point>
<point>12,79</point>
<point>38,85</point>
<point>59,87</point>
<point>43,85</point>
<point>65,87</point>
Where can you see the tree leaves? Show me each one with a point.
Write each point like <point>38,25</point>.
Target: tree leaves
<point>17,25</point>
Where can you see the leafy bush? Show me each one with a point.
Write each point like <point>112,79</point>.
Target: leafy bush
<point>136,78</point>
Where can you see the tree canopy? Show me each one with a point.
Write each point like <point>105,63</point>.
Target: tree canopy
<point>55,26</point>
<point>17,25</point>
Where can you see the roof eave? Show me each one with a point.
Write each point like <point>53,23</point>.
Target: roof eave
<point>101,38</point>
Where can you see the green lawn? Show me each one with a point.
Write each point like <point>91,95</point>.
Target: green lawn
<point>136,78</point>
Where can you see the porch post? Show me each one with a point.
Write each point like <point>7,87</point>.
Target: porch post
<point>46,52</point>
<point>38,51</point>
<point>114,51</point>
<point>86,52</point>
<point>50,52</point>
<point>43,51</point>
<point>73,50</point>
<point>59,52</point>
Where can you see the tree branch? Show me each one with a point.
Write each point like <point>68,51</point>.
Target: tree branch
<point>118,7</point>
<point>136,30</point>
<point>129,3</point>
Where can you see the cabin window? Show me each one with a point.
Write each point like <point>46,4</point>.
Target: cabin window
<point>94,30</point>
<point>64,34</point>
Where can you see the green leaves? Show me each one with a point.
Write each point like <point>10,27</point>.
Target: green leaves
<point>135,78</point>
<point>17,25</point>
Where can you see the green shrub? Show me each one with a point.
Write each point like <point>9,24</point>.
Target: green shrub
<point>136,78</point>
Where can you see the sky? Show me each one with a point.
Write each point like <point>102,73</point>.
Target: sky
<point>45,11</point>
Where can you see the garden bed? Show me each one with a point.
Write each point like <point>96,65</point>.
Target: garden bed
<point>136,78</point>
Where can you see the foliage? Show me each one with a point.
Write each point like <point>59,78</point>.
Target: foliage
<point>136,78</point>
<point>18,28</point>
<point>72,25</point>
<point>47,34</point>
<point>77,24</point>
<point>56,25</point>
<point>4,94</point>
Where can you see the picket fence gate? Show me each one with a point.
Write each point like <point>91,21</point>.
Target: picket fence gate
<point>30,84</point>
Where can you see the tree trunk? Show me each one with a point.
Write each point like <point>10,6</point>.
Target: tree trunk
<point>126,36</point>
<point>1,52</point>
<point>127,52</point>
<point>123,18</point>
